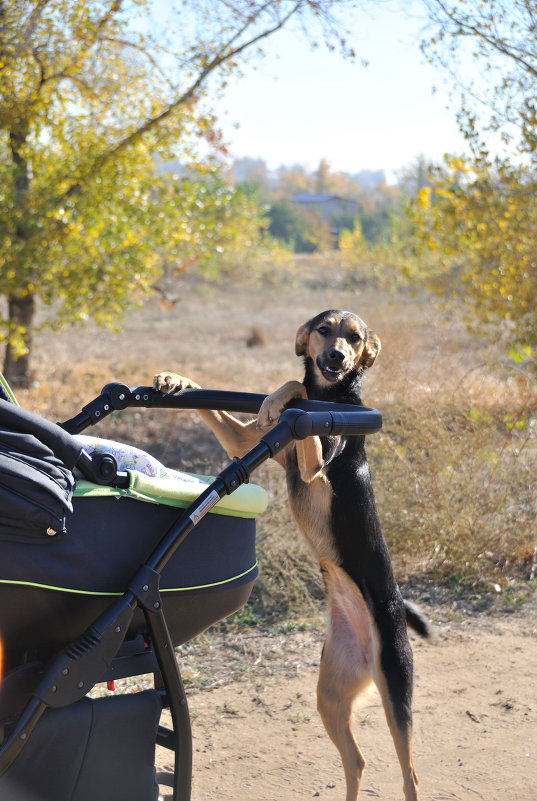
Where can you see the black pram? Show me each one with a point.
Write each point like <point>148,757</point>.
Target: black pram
<point>102,583</point>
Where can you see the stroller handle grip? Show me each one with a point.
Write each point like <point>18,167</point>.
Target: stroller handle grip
<point>358,422</point>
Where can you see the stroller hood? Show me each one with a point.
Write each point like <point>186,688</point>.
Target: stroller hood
<point>36,482</point>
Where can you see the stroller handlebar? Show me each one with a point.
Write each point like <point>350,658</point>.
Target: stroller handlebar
<point>317,417</point>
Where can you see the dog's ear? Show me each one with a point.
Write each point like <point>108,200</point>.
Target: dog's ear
<point>301,341</point>
<point>371,349</point>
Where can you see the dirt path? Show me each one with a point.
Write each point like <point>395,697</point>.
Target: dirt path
<point>257,734</point>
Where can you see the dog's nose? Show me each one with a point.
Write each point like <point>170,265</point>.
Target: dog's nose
<point>335,356</point>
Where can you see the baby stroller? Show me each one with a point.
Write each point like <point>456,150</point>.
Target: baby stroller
<point>98,582</point>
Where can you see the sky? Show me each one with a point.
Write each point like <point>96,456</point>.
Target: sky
<point>299,105</point>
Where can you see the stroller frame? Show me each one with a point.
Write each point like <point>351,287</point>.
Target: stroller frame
<point>96,655</point>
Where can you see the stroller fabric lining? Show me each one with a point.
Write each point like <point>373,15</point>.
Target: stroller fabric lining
<point>248,501</point>
<point>151,481</point>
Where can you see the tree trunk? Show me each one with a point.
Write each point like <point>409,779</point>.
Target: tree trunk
<point>21,307</point>
<point>17,369</point>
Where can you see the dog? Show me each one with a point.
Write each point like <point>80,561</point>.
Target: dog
<point>331,496</point>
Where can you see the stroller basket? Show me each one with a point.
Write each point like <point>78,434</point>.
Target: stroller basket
<point>101,744</point>
<point>114,594</point>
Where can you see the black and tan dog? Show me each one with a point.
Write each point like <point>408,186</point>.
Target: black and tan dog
<point>332,499</point>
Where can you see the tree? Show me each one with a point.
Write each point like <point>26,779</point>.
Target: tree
<point>501,37</point>
<point>478,219</point>
<point>250,172</point>
<point>89,98</point>
<point>416,176</point>
<point>478,228</point>
<point>300,230</point>
<point>218,228</point>
<point>321,181</point>
<point>293,180</point>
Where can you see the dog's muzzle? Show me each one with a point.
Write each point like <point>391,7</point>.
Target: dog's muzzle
<point>332,365</point>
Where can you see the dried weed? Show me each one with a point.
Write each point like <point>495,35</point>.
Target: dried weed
<point>453,468</point>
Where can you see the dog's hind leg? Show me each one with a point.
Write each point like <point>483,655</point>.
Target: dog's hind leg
<point>346,668</point>
<point>393,675</point>
<point>335,698</point>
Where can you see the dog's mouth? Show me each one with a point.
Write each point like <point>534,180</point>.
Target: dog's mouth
<point>331,374</point>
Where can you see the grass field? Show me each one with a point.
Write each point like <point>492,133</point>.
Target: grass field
<point>454,465</point>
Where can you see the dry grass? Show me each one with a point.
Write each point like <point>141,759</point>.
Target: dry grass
<point>454,466</point>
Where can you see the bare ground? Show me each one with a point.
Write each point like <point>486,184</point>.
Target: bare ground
<point>256,732</point>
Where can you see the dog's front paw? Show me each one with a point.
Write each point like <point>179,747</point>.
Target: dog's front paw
<point>170,382</point>
<point>274,404</point>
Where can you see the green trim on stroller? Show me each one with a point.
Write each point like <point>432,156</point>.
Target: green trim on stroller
<point>114,594</point>
<point>248,501</point>
<point>8,391</point>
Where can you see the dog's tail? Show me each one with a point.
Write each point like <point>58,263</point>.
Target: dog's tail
<point>417,620</point>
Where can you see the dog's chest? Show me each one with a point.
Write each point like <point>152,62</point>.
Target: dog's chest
<point>336,506</point>
<point>311,504</point>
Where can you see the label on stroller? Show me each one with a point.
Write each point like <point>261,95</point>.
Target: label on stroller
<point>210,501</point>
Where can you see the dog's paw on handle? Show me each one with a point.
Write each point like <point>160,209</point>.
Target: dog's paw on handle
<point>274,404</point>
<point>170,382</point>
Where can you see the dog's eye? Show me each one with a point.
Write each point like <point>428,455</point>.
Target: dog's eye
<point>323,330</point>
<point>355,337</point>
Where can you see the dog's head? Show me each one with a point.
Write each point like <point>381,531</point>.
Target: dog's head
<point>338,343</point>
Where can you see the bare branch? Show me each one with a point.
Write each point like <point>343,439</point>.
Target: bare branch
<point>125,43</point>
<point>497,43</point>
<point>30,27</point>
<point>227,52</point>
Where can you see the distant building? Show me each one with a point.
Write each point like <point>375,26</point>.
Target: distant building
<point>339,211</point>
<point>328,206</point>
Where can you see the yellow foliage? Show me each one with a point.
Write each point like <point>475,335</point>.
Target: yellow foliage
<point>424,198</point>
<point>87,221</point>
<point>481,222</point>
